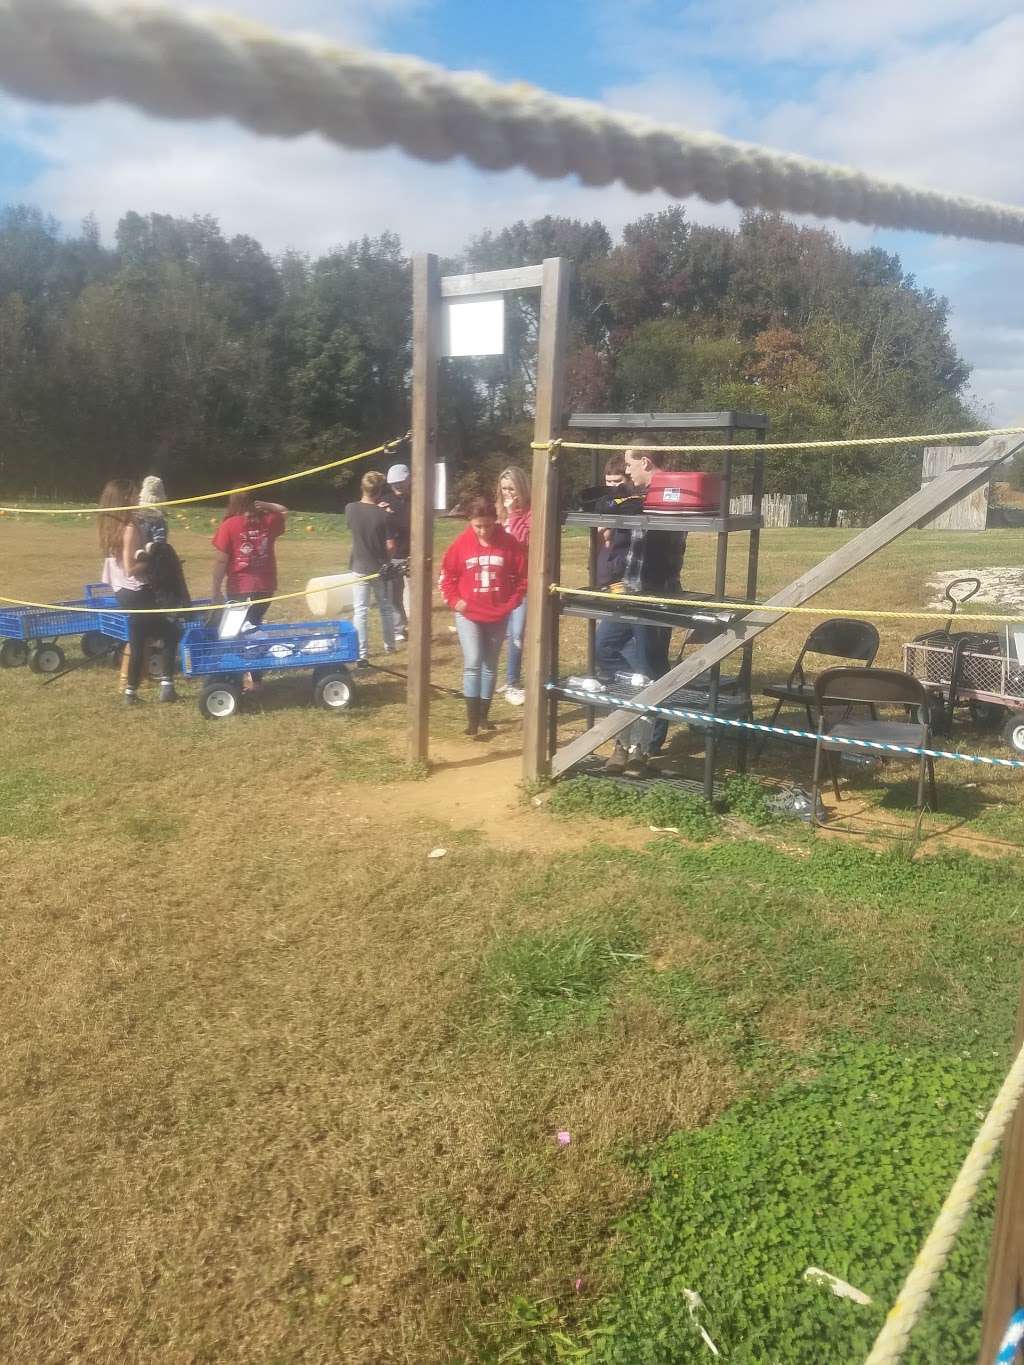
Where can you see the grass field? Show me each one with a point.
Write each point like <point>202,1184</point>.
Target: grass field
<point>279,1087</point>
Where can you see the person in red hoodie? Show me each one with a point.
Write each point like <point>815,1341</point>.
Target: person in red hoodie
<point>483,580</point>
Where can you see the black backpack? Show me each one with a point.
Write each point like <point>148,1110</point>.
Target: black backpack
<point>165,576</point>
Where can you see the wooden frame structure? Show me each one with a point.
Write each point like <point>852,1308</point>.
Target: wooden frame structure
<point>430,289</point>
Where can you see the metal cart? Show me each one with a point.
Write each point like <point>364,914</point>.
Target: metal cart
<point>980,670</point>
<point>29,635</point>
<point>324,647</point>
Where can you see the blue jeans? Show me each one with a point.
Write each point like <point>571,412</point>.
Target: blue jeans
<point>361,611</point>
<point>481,645</point>
<point>514,660</point>
<point>634,649</point>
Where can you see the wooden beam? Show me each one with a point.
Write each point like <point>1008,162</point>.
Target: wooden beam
<point>1005,1283</point>
<point>545,527</point>
<point>975,469</point>
<point>426,351</point>
<point>492,281</point>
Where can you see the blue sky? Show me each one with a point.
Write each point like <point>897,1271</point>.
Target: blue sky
<point>924,90</point>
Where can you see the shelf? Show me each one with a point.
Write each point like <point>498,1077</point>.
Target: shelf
<point>671,421</point>
<point>665,521</point>
<point>621,607</point>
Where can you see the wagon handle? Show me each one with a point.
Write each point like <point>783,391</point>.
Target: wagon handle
<point>959,601</point>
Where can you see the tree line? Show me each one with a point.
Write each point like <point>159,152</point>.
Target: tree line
<point>179,350</point>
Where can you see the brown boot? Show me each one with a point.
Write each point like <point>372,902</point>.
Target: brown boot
<point>472,715</point>
<point>616,765</point>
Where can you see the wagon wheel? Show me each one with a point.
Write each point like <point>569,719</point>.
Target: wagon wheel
<point>47,659</point>
<point>986,714</point>
<point>95,644</point>
<point>332,689</point>
<point>219,700</point>
<point>13,653</point>
<point>1013,731</point>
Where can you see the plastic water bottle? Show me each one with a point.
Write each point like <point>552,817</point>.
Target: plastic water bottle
<point>584,684</point>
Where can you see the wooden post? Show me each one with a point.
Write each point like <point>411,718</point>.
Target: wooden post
<point>426,332</point>
<point>545,529</point>
<point>1005,1286</point>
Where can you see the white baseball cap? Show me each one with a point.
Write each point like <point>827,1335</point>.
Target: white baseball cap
<point>398,473</point>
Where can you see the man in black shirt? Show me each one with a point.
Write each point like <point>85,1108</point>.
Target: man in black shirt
<point>372,547</point>
<point>397,503</point>
<point>654,561</point>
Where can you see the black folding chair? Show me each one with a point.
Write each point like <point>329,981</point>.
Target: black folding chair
<point>838,638</point>
<point>875,687</point>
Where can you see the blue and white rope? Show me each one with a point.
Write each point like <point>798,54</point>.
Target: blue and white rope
<point>1010,1345</point>
<point>676,713</point>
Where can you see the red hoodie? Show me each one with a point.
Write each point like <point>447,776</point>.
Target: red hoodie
<point>490,579</point>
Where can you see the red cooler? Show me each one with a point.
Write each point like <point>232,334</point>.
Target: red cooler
<point>683,491</point>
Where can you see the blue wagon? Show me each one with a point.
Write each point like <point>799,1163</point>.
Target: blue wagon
<point>29,635</point>
<point>324,647</point>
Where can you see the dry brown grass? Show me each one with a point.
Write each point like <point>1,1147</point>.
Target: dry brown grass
<point>254,1104</point>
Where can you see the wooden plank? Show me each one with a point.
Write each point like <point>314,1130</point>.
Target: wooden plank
<point>545,527</point>
<point>1005,1283</point>
<point>492,281</point>
<point>671,421</point>
<point>971,512</point>
<point>426,351</point>
<point>975,469</point>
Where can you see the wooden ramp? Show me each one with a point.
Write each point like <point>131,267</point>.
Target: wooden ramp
<point>973,469</point>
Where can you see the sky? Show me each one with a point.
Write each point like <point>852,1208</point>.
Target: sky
<point>927,91</point>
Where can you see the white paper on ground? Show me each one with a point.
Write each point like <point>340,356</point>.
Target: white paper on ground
<point>840,1288</point>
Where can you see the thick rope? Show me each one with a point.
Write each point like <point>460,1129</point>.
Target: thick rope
<point>759,447</point>
<point>913,1297</point>
<point>203,65</point>
<point>207,497</point>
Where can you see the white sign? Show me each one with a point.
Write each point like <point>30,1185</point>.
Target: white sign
<point>440,487</point>
<point>474,326</point>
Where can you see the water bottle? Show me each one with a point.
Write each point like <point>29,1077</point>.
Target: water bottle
<point>584,684</point>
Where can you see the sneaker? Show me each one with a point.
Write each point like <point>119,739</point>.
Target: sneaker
<point>399,637</point>
<point>616,765</point>
<point>515,696</point>
<point>389,649</point>
<point>638,767</point>
<point>362,663</point>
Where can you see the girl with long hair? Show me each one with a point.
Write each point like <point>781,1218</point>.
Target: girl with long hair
<point>121,540</point>
<point>245,556</point>
<point>513,502</point>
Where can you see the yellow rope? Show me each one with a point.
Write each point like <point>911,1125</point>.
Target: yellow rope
<point>753,447</point>
<point>224,493</point>
<point>867,613</point>
<point>162,611</point>
<point>913,1297</point>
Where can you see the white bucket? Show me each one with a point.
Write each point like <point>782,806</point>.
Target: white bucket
<point>332,595</point>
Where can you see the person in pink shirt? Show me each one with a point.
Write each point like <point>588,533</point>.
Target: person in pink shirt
<point>514,511</point>
<point>483,580</point>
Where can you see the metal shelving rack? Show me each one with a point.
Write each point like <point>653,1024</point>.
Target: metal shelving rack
<point>727,425</point>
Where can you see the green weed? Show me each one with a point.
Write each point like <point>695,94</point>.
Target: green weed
<point>540,981</point>
<point>846,1174</point>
